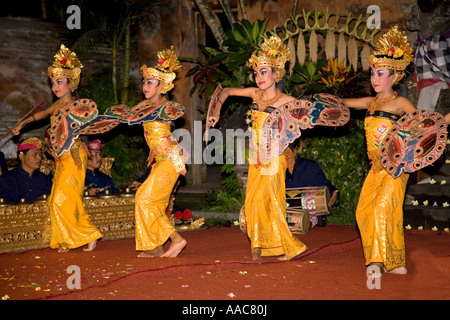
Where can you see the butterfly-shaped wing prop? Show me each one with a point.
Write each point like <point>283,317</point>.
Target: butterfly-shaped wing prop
<point>105,122</point>
<point>415,141</point>
<point>329,110</point>
<point>67,123</point>
<point>284,124</point>
<point>166,111</point>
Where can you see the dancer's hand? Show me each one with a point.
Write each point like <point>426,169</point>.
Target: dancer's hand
<point>333,198</point>
<point>16,129</point>
<point>213,119</point>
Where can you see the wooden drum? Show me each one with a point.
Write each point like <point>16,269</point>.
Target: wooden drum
<point>298,220</point>
<point>312,199</point>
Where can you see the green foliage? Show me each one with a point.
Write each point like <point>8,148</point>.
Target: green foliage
<point>228,66</point>
<point>223,201</point>
<point>243,39</point>
<point>305,79</point>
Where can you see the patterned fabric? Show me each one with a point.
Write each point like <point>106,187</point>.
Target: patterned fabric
<point>265,203</point>
<point>162,145</point>
<point>70,224</point>
<point>152,225</point>
<point>379,213</point>
<point>432,61</point>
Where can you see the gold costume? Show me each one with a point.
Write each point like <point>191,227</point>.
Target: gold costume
<point>153,227</point>
<point>379,213</point>
<point>265,203</point>
<point>70,224</point>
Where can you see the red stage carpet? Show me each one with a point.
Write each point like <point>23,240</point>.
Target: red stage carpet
<point>216,265</point>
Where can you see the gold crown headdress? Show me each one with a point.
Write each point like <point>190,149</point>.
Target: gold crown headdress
<point>392,52</point>
<point>66,65</point>
<point>272,53</point>
<point>164,70</point>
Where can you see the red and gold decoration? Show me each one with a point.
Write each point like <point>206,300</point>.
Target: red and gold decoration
<point>164,70</point>
<point>66,65</point>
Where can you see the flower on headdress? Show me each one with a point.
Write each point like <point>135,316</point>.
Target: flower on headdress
<point>390,51</point>
<point>163,63</point>
<point>398,53</point>
<point>425,203</point>
<point>271,52</point>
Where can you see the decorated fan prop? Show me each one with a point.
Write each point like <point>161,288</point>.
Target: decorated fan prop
<point>415,141</point>
<point>211,108</point>
<point>68,121</point>
<point>167,110</point>
<point>105,122</point>
<point>329,111</point>
<point>285,123</point>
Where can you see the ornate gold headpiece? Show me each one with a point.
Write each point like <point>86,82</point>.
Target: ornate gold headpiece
<point>272,53</point>
<point>392,52</point>
<point>164,70</point>
<point>66,65</point>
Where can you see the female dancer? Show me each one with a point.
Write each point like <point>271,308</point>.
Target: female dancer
<point>70,224</point>
<point>265,200</point>
<point>153,227</point>
<point>379,213</point>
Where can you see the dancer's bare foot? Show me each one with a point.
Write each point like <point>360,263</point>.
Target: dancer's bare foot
<point>282,258</point>
<point>375,272</point>
<point>382,270</point>
<point>256,254</point>
<point>152,253</point>
<point>63,249</point>
<point>399,270</point>
<point>178,244</point>
<point>91,246</point>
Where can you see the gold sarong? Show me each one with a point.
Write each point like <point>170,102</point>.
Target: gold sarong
<point>153,227</point>
<point>265,204</point>
<point>70,224</point>
<point>379,213</point>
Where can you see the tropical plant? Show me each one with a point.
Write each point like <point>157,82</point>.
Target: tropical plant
<point>113,26</point>
<point>306,79</point>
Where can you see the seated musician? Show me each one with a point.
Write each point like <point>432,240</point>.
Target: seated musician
<point>3,164</point>
<point>307,173</point>
<point>99,181</point>
<point>26,181</point>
